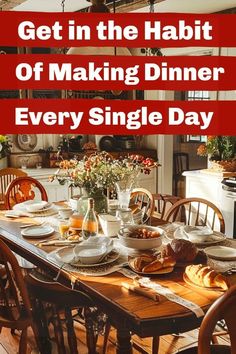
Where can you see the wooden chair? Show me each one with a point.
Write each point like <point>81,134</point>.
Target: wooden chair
<point>21,189</point>
<point>180,164</point>
<point>196,211</point>
<point>223,308</point>
<point>163,202</point>
<point>7,175</point>
<point>15,306</point>
<point>144,200</point>
<point>53,303</point>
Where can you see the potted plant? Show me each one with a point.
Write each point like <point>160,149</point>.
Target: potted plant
<point>221,151</point>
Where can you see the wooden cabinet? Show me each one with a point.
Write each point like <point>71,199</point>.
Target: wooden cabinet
<point>55,191</point>
<point>208,186</point>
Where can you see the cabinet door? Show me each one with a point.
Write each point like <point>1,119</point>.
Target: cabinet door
<point>148,182</point>
<point>55,191</point>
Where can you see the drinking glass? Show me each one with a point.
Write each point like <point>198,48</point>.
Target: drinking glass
<point>63,228</point>
<point>125,216</point>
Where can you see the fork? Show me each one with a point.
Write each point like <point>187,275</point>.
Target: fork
<point>32,225</point>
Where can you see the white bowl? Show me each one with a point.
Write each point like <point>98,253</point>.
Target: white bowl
<point>88,254</point>
<point>140,243</point>
<point>65,213</point>
<point>197,233</point>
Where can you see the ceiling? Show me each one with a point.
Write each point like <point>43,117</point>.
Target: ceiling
<point>181,6</point>
<point>192,6</point>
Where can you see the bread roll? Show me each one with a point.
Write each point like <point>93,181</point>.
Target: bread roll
<point>158,264</point>
<point>140,262</point>
<point>152,267</point>
<point>206,276</point>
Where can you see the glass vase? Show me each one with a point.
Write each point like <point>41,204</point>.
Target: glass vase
<point>100,201</point>
<point>124,189</point>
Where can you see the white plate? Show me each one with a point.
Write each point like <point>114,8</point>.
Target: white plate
<point>216,237</point>
<point>37,231</point>
<point>66,255</point>
<point>33,206</point>
<point>221,253</point>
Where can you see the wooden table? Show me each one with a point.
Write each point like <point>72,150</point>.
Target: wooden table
<point>128,312</point>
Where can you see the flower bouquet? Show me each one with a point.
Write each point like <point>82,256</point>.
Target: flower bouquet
<point>100,172</point>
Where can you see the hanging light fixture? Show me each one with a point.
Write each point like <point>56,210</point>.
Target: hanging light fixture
<point>152,51</point>
<point>98,6</point>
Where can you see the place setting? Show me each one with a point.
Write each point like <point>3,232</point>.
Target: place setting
<point>32,208</point>
<point>200,235</point>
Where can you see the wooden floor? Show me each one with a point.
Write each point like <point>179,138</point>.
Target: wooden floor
<point>168,344</point>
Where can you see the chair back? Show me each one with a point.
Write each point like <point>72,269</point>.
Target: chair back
<point>163,203</point>
<point>222,308</point>
<point>52,292</point>
<point>196,212</point>
<point>22,189</point>
<point>7,175</point>
<point>14,299</point>
<point>180,163</point>
<point>144,200</point>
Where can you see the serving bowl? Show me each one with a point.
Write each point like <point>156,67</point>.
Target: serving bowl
<point>153,238</point>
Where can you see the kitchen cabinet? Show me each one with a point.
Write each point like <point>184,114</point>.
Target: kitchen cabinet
<point>207,185</point>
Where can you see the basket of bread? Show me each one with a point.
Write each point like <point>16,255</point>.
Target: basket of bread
<point>141,237</point>
<point>203,276</point>
<point>150,264</point>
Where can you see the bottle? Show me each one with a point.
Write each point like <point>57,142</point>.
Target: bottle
<point>90,222</point>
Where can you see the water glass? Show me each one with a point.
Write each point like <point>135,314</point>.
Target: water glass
<point>125,215</point>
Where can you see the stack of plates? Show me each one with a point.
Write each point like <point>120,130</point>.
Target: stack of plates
<point>36,208</point>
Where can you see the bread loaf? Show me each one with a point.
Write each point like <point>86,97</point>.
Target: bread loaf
<point>206,276</point>
<point>140,262</point>
<point>150,264</point>
<point>181,250</point>
<point>158,264</point>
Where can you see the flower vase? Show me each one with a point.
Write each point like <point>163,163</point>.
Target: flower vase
<point>100,201</point>
<point>124,189</point>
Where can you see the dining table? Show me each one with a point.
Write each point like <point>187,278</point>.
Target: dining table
<point>127,311</point>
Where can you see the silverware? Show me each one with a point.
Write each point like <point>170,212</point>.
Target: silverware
<point>45,241</point>
<point>57,243</point>
<point>30,225</point>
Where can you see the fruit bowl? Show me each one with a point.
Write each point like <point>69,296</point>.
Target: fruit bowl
<point>141,237</point>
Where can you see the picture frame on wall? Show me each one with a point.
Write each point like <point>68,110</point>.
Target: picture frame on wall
<point>195,138</point>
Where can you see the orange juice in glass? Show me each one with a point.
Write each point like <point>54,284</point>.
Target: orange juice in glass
<point>64,229</point>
